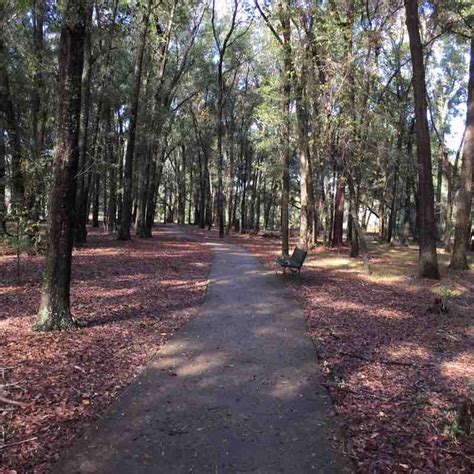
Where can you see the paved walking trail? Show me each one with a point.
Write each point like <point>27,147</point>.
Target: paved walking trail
<point>236,390</point>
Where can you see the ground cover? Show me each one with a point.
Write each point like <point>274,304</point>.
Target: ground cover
<point>130,298</point>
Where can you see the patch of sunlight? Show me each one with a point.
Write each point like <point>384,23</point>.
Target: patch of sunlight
<point>462,366</point>
<point>409,352</point>
<point>200,364</point>
<point>385,279</point>
<point>392,314</point>
<point>448,292</point>
<point>286,388</point>
<point>334,262</point>
<point>111,293</point>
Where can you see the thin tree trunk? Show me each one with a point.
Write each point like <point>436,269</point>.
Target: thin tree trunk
<point>54,311</point>
<point>358,231</point>
<point>95,200</point>
<point>3,175</point>
<point>428,261</point>
<point>306,191</point>
<point>143,174</point>
<point>337,235</point>
<point>152,196</point>
<point>286,99</point>
<point>83,179</point>
<point>392,221</point>
<point>464,197</point>
<point>230,184</point>
<point>182,187</point>
<point>451,177</point>
<point>354,211</point>
<point>13,134</point>
<point>38,109</point>
<point>112,166</point>
<point>126,218</point>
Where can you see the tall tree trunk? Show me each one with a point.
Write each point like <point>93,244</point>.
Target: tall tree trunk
<point>359,233</point>
<point>258,203</point>
<point>3,175</point>
<point>451,178</point>
<point>220,154</point>
<point>464,196</point>
<point>354,211</point>
<point>143,174</point>
<point>439,187</point>
<point>392,220</point>
<point>83,179</point>
<point>428,261</point>
<point>112,166</point>
<point>306,189</point>
<point>182,187</point>
<point>230,184</point>
<point>126,218</point>
<point>202,192</point>
<point>157,168</point>
<point>337,234</point>
<point>286,100</point>
<point>13,133</point>
<point>38,110</point>
<point>54,311</point>
<point>96,200</point>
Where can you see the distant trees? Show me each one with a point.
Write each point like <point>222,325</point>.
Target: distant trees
<point>317,119</point>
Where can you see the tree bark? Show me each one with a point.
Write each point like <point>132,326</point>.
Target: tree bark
<point>464,197</point>
<point>337,234</point>
<point>54,312</point>
<point>306,188</point>
<point>428,261</point>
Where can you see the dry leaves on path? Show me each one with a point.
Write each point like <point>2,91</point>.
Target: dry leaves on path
<point>131,296</point>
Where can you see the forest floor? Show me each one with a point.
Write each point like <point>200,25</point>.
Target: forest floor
<point>397,372</point>
<point>131,296</point>
<point>237,390</point>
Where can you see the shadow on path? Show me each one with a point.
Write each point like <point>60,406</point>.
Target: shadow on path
<point>236,390</point>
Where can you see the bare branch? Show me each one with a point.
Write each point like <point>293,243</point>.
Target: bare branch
<point>267,21</point>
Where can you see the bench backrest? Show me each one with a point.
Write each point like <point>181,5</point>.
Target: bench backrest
<point>298,256</point>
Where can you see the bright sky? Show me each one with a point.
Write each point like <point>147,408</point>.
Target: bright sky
<point>453,140</point>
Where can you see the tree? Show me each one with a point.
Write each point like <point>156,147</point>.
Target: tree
<point>464,197</point>
<point>222,47</point>
<point>126,221</point>
<point>54,311</point>
<point>13,132</point>
<point>428,262</point>
<point>284,40</point>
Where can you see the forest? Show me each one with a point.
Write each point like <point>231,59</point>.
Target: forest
<point>135,132</point>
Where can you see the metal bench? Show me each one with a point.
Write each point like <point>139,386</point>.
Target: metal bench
<point>295,262</point>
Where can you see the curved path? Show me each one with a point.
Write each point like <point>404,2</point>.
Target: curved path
<point>236,390</point>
